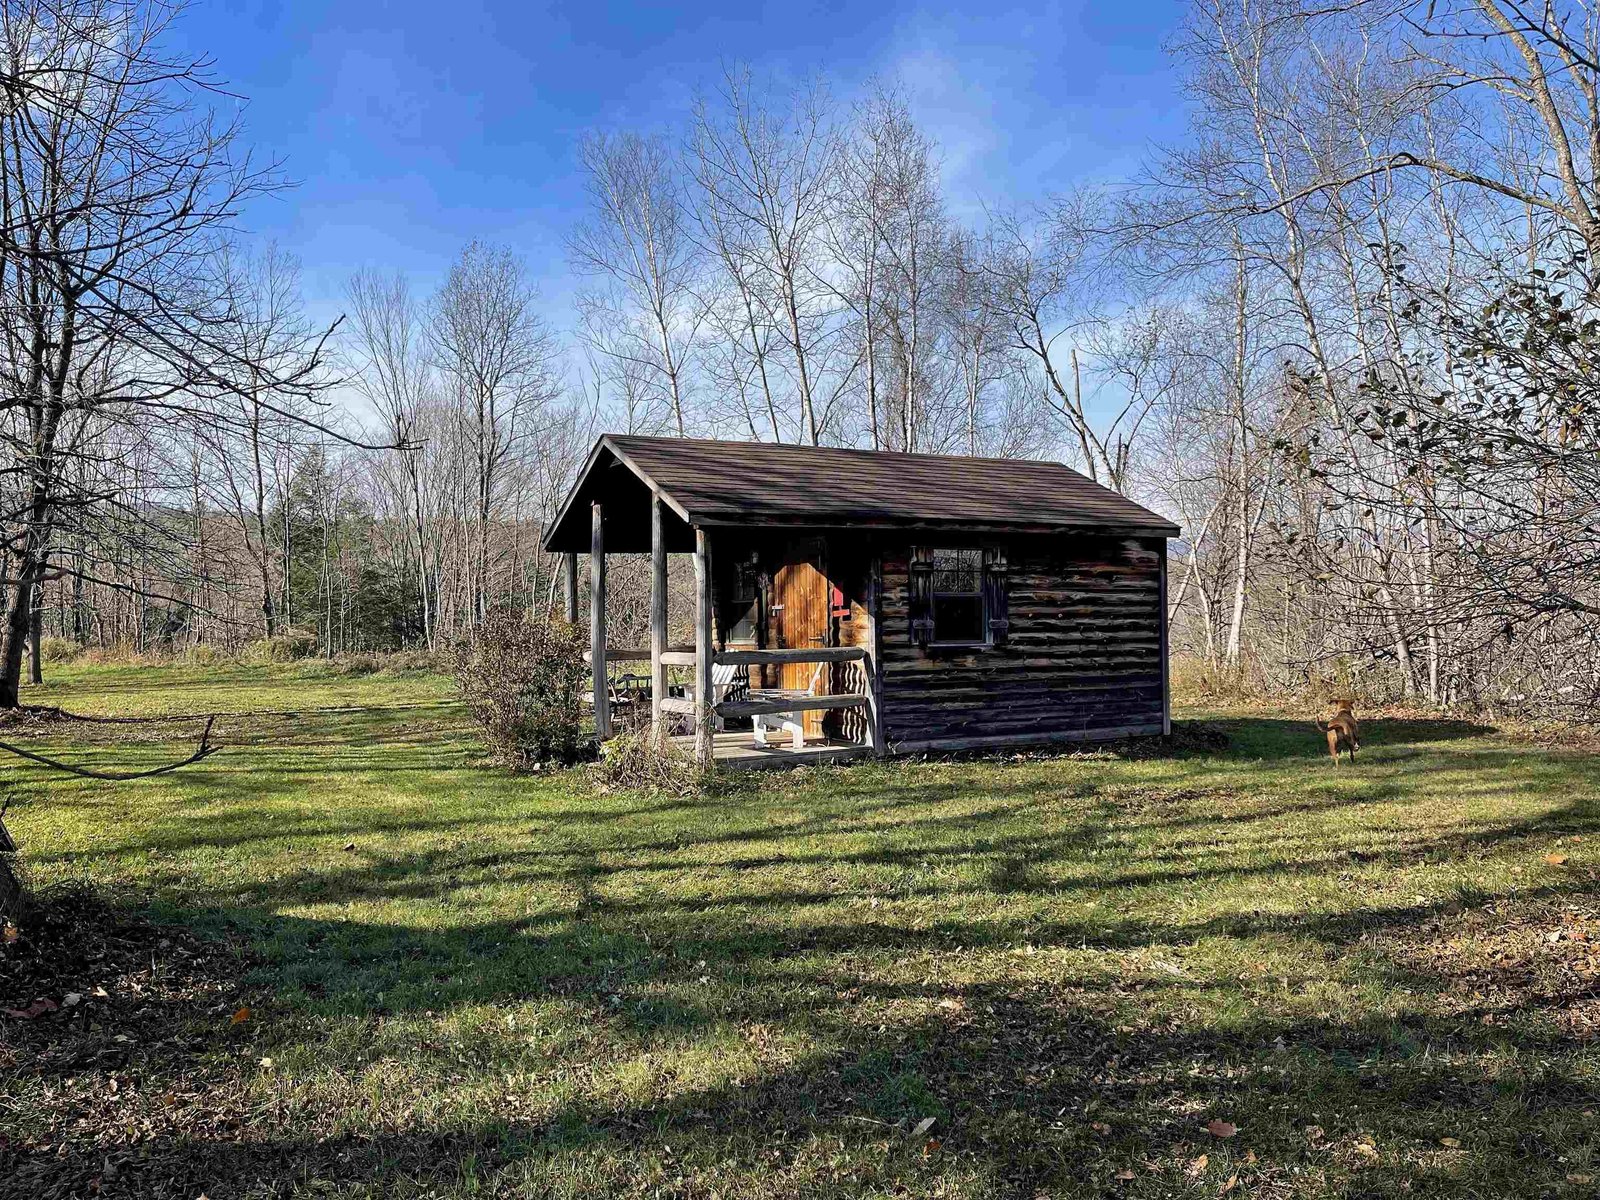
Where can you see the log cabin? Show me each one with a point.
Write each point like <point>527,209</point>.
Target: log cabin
<point>854,602</point>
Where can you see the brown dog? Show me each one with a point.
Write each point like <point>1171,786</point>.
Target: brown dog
<point>1342,731</point>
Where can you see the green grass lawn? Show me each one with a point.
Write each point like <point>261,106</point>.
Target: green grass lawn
<point>467,983</point>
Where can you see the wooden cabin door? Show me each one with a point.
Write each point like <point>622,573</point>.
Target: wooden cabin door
<point>800,620</point>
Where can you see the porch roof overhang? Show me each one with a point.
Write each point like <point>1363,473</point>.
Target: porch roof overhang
<point>762,484</point>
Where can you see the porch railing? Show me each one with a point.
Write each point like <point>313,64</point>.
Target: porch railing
<point>760,705</point>
<point>678,656</point>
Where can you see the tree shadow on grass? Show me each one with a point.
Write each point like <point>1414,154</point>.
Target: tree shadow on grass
<point>902,824</point>
<point>1277,739</point>
<point>785,943</point>
<point>1055,1086</point>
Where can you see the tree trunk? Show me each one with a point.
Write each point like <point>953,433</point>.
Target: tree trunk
<point>36,635</point>
<point>14,635</point>
<point>808,415</point>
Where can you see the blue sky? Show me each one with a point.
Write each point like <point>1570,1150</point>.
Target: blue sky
<point>412,127</point>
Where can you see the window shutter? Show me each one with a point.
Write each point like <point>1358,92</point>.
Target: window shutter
<point>920,600</point>
<point>995,572</point>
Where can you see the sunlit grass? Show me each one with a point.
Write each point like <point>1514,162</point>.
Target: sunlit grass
<point>479,983</point>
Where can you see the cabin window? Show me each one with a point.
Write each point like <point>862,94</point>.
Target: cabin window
<point>958,596</point>
<point>745,603</point>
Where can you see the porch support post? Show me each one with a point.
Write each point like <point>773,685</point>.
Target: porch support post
<point>874,704</point>
<point>569,583</point>
<point>704,652</point>
<point>1166,649</point>
<point>658,616</point>
<point>597,622</point>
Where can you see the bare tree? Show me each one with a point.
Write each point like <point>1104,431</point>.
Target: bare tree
<point>499,362</point>
<point>1047,277</point>
<point>637,245</point>
<point>114,186</point>
<point>909,241</point>
<point>764,174</point>
<point>976,333</point>
<point>391,367</point>
<point>252,435</point>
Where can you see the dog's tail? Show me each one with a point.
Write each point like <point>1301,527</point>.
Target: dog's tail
<point>1321,728</point>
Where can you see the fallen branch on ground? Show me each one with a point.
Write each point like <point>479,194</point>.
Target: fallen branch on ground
<point>204,750</point>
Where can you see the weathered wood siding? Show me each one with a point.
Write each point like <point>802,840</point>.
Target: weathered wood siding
<point>1083,658</point>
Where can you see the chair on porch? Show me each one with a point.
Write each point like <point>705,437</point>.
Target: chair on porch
<point>628,696</point>
<point>728,683</point>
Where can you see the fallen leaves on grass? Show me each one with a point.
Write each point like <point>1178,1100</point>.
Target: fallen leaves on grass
<point>1511,956</point>
<point>1556,860</point>
<point>240,1015</point>
<point>127,1059</point>
<point>1221,1129</point>
<point>37,1009</point>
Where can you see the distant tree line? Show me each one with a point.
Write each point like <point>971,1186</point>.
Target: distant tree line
<point>1344,332</point>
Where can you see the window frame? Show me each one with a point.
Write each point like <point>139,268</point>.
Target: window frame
<point>980,592</point>
<point>993,595</point>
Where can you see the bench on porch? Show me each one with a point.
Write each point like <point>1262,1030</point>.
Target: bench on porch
<point>783,710</point>
<point>769,710</point>
<point>791,721</point>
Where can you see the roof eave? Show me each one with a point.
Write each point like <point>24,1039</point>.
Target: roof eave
<point>605,443</point>
<point>802,521</point>
<point>572,494</point>
<point>661,492</point>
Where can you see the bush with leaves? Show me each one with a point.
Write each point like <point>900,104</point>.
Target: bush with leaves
<point>523,679</point>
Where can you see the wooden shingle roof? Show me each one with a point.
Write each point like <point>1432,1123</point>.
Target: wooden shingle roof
<point>763,483</point>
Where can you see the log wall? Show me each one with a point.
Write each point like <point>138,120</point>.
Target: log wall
<point>1083,658</point>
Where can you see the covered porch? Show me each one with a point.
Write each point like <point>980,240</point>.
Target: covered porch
<point>752,699</point>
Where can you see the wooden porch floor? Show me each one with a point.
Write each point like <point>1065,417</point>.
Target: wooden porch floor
<point>737,751</point>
